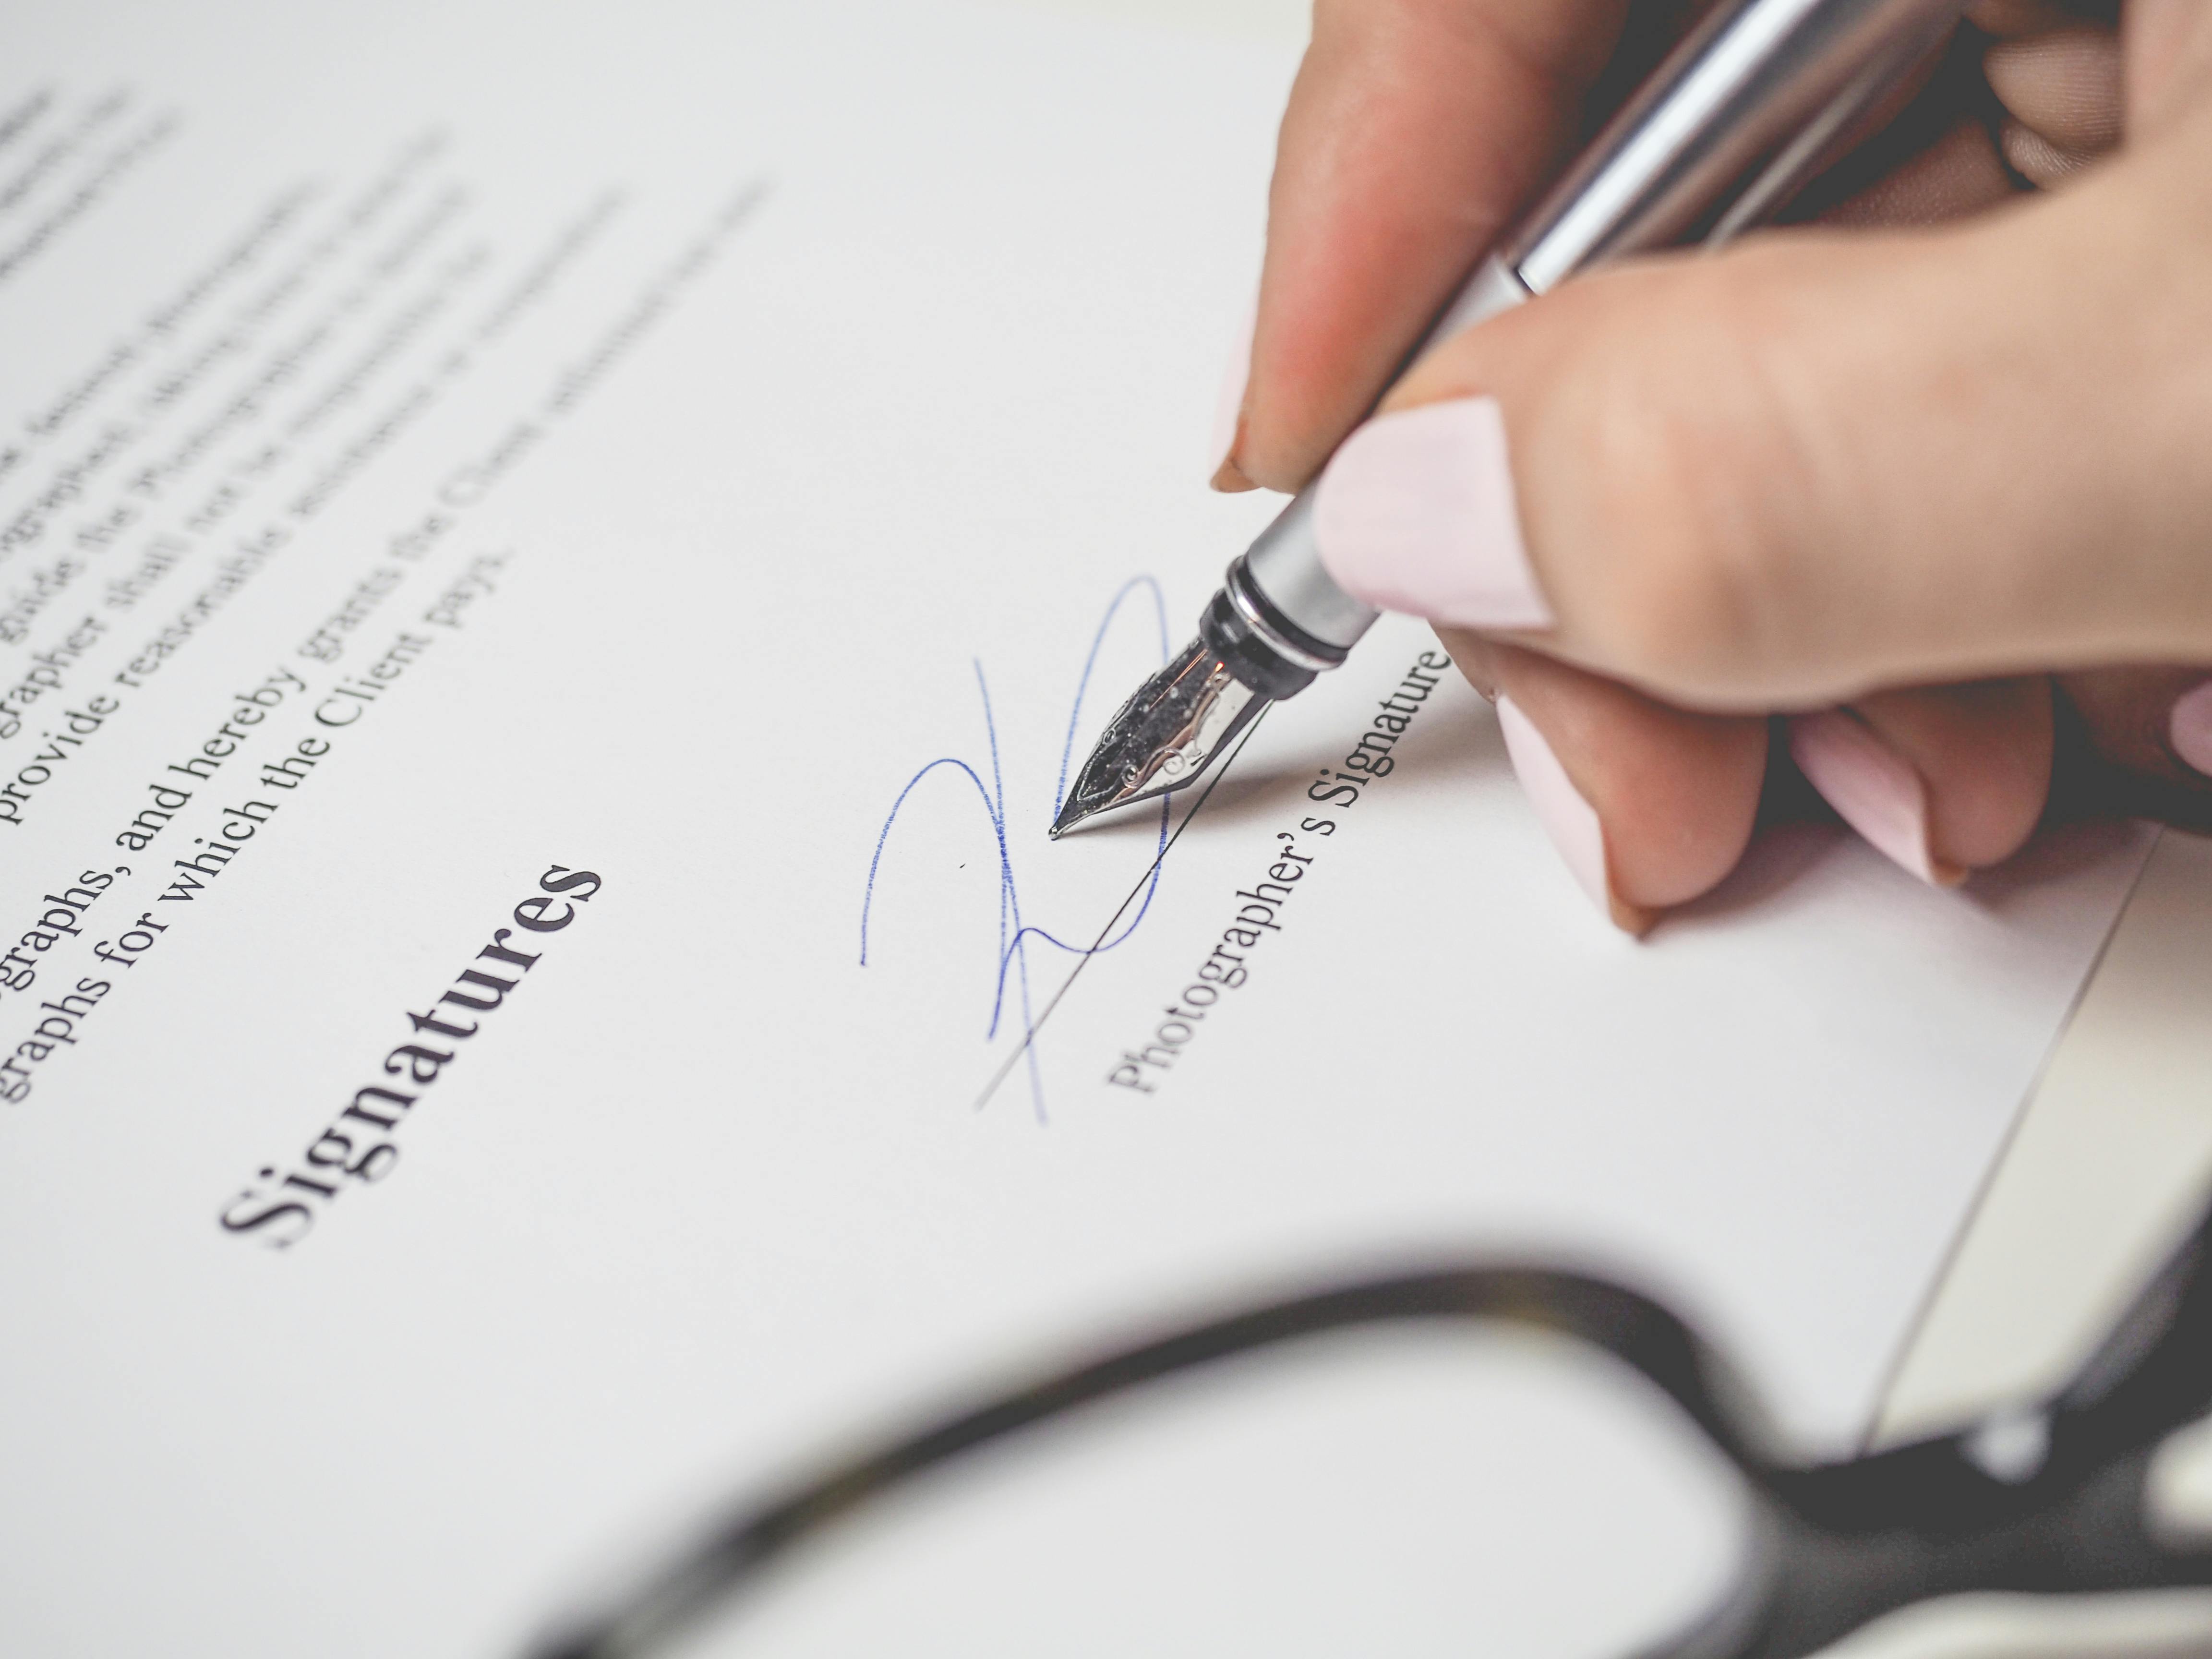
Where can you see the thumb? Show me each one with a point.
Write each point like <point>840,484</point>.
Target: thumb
<point>1823,461</point>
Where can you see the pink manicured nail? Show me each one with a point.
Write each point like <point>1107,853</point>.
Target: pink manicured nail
<point>1872,787</point>
<point>1416,513</point>
<point>1229,410</point>
<point>2189,728</point>
<point>1569,820</point>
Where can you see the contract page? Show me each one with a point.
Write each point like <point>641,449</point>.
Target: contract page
<point>555,565</point>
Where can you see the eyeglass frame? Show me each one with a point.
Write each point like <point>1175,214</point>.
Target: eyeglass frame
<point>1833,1546</point>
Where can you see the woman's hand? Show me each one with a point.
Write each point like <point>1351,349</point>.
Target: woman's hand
<point>1931,477</point>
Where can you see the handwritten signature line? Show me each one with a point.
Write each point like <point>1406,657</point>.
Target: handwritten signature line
<point>1015,935</point>
<point>1144,884</point>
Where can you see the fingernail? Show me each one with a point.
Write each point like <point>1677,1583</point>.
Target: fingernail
<point>1873,788</point>
<point>1570,821</point>
<point>1229,410</point>
<point>2189,728</point>
<point>1416,513</point>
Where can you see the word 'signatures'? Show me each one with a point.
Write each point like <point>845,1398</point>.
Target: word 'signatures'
<point>281,1209</point>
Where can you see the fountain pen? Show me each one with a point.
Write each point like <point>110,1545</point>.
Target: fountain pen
<point>1740,114</point>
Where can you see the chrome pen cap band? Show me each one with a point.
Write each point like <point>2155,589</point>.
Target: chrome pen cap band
<point>1262,645</point>
<point>1226,633</point>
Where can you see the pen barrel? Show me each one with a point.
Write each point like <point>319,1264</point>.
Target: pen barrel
<point>1739,115</point>
<point>1724,131</point>
<point>1316,619</point>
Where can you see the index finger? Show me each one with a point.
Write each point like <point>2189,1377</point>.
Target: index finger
<point>1415,129</point>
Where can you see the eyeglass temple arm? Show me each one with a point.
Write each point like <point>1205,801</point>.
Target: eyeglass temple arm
<point>1836,1546</point>
<point>731,1557</point>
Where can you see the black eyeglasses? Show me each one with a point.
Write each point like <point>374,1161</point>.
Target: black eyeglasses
<point>2055,1501</point>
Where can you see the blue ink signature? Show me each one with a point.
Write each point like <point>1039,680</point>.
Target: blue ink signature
<point>1015,936</point>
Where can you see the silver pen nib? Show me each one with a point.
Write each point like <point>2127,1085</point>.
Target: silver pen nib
<point>1164,736</point>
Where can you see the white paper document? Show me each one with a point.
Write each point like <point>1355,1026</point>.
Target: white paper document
<point>554,566</point>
